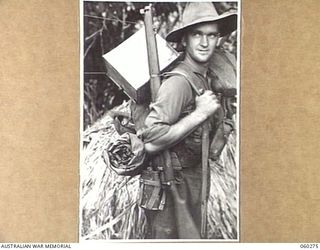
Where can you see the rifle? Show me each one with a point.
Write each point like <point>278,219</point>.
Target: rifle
<point>185,223</point>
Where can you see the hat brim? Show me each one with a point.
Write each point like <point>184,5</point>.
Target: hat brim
<point>227,23</point>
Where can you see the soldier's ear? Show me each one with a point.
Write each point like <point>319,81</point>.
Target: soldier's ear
<point>183,41</point>
<point>219,42</point>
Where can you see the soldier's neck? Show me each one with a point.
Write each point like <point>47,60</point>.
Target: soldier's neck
<point>197,67</point>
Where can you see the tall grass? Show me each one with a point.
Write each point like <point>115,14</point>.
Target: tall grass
<point>108,201</point>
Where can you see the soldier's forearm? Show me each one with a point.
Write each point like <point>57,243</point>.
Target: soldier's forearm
<point>176,132</point>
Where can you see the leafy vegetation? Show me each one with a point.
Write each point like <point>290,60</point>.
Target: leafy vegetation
<point>106,25</point>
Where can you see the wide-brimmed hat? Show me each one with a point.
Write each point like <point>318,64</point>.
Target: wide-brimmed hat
<point>203,12</point>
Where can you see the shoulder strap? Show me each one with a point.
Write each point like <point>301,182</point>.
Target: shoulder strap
<point>191,78</point>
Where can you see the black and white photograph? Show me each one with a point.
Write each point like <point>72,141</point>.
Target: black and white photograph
<point>160,101</point>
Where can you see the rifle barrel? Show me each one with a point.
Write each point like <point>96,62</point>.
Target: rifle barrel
<point>152,49</point>
<point>182,213</point>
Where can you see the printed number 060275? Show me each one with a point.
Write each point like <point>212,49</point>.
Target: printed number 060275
<point>309,246</point>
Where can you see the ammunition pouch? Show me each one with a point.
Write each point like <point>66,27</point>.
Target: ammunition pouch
<point>153,183</point>
<point>151,195</point>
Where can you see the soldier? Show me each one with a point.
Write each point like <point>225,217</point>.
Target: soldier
<point>175,118</point>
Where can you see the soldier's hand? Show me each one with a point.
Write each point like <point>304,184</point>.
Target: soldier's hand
<point>207,104</point>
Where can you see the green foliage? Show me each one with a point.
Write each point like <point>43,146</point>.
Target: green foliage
<point>106,25</point>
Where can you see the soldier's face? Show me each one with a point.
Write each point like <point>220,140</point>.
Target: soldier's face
<point>201,40</point>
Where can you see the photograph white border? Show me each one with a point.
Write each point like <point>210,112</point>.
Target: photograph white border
<point>238,127</point>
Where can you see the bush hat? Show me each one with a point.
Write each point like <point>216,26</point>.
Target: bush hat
<point>203,12</point>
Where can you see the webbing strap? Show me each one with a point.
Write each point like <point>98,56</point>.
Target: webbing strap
<point>191,78</point>
<point>153,198</point>
<point>151,183</point>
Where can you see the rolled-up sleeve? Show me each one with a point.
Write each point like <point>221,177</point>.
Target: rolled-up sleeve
<point>172,98</point>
